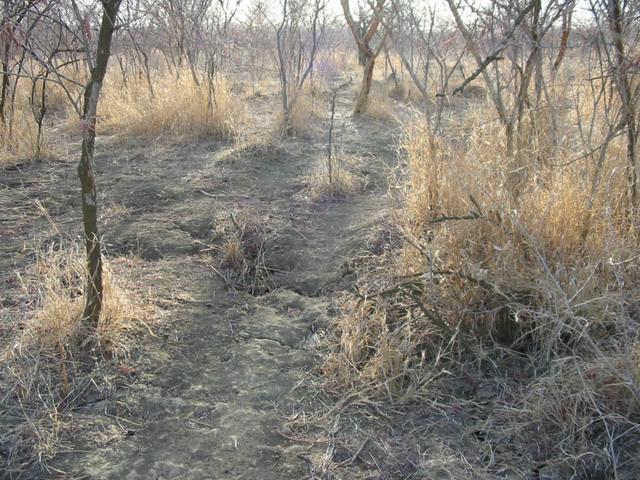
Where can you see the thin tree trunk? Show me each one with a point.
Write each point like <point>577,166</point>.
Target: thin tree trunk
<point>624,88</point>
<point>93,294</point>
<point>5,86</point>
<point>148,74</point>
<point>564,39</point>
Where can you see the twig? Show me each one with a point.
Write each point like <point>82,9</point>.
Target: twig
<point>445,218</point>
<point>197,422</point>
<point>294,439</point>
<point>386,291</point>
<point>355,456</point>
<point>429,314</point>
<point>222,195</point>
<point>228,284</point>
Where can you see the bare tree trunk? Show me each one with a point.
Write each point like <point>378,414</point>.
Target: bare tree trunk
<point>192,67</point>
<point>93,294</point>
<point>123,72</point>
<point>367,78</point>
<point>363,37</point>
<point>623,85</point>
<point>330,147</point>
<point>564,39</point>
<point>147,72</point>
<point>5,85</point>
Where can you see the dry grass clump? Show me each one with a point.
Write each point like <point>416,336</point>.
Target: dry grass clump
<point>57,325</point>
<point>45,368</point>
<point>522,263</point>
<point>337,185</point>
<point>240,250</point>
<point>576,417</point>
<point>377,344</point>
<point>491,274</point>
<point>403,90</point>
<point>178,107</point>
<point>19,138</point>
<point>380,104</point>
<point>263,88</point>
<point>259,146</point>
<point>305,111</point>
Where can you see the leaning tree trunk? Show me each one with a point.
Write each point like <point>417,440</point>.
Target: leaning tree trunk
<point>367,77</point>
<point>93,294</point>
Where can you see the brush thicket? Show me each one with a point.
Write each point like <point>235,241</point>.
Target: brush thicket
<point>505,266</point>
<point>178,107</point>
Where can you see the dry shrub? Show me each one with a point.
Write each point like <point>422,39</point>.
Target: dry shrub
<point>241,242</point>
<point>19,140</point>
<point>44,364</point>
<point>57,325</point>
<point>333,63</point>
<point>376,345</point>
<point>304,113</point>
<point>233,253</point>
<point>263,88</point>
<point>380,105</point>
<point>178,107</point>
<point>547,272</point>
<point>340,185</point>
<point>404,90</point>
<point>585,405</point>
<point>545,243</point>
<point>504,265</point>
<point>255,146</point>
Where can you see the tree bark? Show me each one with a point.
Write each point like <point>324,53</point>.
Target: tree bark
<point>363,37</point>
<point>623,85</point>
<point>362,101</point>
<point>564,39</point>
<point>94,291</point>
<point>5,86</point>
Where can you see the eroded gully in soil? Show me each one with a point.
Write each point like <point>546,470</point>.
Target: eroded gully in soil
<point>220,383</point>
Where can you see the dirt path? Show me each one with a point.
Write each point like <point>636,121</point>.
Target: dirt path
<point>222,384</point>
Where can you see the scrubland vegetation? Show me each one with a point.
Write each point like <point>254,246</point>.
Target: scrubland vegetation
<point>485,323</point>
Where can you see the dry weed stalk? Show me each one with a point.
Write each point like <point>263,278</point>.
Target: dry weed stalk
<point>20,138</point>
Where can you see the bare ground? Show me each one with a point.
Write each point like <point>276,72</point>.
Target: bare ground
<point>221,388</point>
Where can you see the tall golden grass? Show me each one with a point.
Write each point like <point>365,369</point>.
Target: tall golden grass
<point>179,107</point>
<point>459,215</point>
<point>306,107</point>
<point>546,275</point>
<point>19,139</point>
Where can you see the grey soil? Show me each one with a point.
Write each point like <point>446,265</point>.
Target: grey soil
<point>221,383</point>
